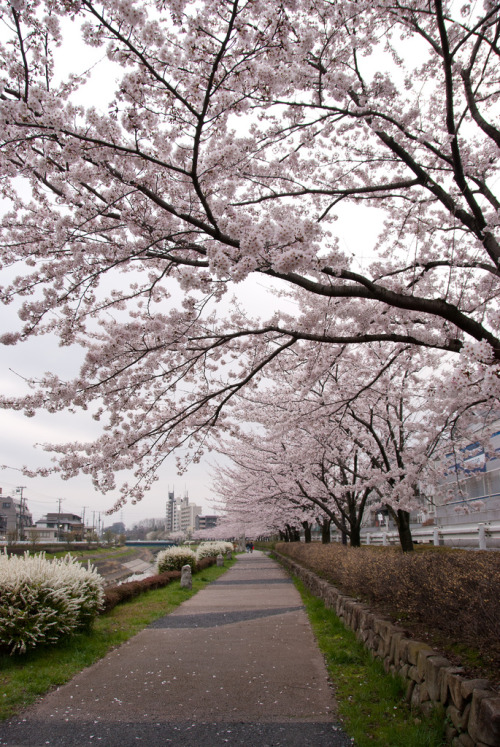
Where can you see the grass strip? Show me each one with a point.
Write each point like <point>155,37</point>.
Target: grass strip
<point>25,678</point>
<point>371,703</point>
<point>95,553</point>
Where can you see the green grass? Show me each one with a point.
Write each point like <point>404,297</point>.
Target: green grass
<point>25,678</point>
<point>370,702</point>
<point>98,552</point>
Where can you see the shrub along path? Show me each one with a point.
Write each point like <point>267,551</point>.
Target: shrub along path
<point>236,664</point>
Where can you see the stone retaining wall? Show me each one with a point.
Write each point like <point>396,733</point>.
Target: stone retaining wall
<point>472,708</point>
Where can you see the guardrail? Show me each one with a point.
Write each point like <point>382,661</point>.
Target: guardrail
<point>482,535</point>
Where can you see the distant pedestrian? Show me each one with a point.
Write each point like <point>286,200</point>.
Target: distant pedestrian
<point>251,547</point>
<point>247,547</point>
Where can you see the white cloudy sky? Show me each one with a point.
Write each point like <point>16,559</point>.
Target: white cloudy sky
<point>18,434</point>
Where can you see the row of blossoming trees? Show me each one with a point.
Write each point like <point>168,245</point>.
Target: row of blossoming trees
<point>333,438</point>
<point>235,136</point>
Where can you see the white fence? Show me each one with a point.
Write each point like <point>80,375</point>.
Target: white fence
<point>482,536</point>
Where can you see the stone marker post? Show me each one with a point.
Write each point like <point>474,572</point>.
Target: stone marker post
<point>220,560</point>
<point>186,578</point>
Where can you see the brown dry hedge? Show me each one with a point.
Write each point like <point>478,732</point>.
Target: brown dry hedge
<point>455,593</point>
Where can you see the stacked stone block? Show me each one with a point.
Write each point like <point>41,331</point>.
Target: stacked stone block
<point>471,707</point>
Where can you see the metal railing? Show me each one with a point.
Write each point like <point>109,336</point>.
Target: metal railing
<point>480,535</point>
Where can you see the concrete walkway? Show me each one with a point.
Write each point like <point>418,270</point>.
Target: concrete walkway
<point>236,664</point>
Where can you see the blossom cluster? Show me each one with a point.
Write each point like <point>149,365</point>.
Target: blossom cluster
<point>42,600</point>
<point>212,549</point>
<point>173,558</point>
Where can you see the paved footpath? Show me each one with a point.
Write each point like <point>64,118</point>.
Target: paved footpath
<point>237,664</point>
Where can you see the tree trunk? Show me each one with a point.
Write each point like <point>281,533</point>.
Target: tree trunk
<point>355,535</point>
<point>293,533</point>
<point>325,531</point>
<point>307,531</point>
<point>403,523</point>
<point>344,532</point>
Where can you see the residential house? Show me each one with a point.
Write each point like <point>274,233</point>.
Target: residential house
<point>14,515</point>
<point>57,526</point>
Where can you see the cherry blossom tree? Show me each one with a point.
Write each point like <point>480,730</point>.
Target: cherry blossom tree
<point>237,132</point>
<point>294,464</point>
<point>251,500</point>
<point>367,431</point>
<point>242,517</point>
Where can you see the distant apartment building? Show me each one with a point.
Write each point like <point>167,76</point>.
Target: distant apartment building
<point>470,484</point>
<point>205,522</point>
<point>172,517</point>
<point>15,517</point>
<point>181,514</point>
<point>188,514</point>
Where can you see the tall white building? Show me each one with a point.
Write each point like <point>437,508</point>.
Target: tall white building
<point>180,514</point>
<point>172,513</point>
<point>188,514</point>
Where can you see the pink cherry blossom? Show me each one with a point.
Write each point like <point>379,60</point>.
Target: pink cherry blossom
<point>235,137</point>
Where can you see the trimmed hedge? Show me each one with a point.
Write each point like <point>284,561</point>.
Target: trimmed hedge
<point>114,595</point>
<point>452,592</point>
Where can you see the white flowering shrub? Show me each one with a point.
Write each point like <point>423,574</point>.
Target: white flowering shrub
<point>212,549</point>
<point>173,558</point>
<point>42,600</point>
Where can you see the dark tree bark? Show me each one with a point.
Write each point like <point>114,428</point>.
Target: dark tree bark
<point>402,519</point>
<point>325,530</point>
<point>344,532</point>
<point>355,535</point>
<point>292,533</point>
<point>307,531</point>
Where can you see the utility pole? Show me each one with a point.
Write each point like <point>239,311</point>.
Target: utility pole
<point>83,522</point>
<point>59,533</point>
<point>22,511</point>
